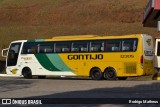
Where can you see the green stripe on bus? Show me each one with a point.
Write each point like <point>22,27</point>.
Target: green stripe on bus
<point>30,40</point>
<point>56,60</point>
<point>36,40</point>
<point>39,40</point>
<point>45,62</point>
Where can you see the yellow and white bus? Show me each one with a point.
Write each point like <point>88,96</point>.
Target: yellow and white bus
<point>108,57</point>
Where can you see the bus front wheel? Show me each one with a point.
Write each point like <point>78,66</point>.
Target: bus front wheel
<point>110,74</point>
<point>27,73</point>
<point>96,74</point>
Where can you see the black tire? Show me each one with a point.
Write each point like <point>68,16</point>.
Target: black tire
<point>41,77</point>
<point>110,74</point>
<point>96,74</point>
<point>122,78</point>
<point>27,73</point>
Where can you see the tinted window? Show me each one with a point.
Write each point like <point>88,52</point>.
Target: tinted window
<point>62,47</point>
<point>29,48</point>
<point>97,46</point>
<point>80,46</point>
<point>113,45</point>
<point>129,45</point>
<point>45,47</point>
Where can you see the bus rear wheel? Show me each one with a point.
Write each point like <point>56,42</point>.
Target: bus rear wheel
<point>27,73</point>
<point>96,74</point>
<point>110,74</point>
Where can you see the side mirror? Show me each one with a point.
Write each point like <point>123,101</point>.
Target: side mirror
<point>4,52</point>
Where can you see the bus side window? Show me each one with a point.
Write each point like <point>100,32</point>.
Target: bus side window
<point>29,48</point>
<point>31,51</point>
<point>58,50</point>
<point>97,46</point>
<point>45,47</point>
<point>65,49</point>
<point>79,46</point>
<point>75,50</point>
<point>129,45</point>
<point>113,45</point>
<point>62,47</point>
<point>83,49</point>
<point>135,45</point>
<point>48,50</point>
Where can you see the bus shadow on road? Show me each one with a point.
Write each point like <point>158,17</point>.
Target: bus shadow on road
<point>13,84</point>
<point>69,78</point>
<point>115,94</point>
<point>141,78</point>
<point>97,96</point>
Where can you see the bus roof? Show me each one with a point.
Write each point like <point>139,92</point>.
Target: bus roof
<point>18,41</point>
<point>80,37</point>
<point>73,36</point>
<point>89,37</point>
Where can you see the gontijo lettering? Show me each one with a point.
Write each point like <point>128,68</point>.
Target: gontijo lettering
<point>85,57</point>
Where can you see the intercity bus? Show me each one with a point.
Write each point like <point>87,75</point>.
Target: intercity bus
<point>98,57</point>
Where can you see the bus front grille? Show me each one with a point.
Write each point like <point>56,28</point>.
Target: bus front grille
<point>130,68</point>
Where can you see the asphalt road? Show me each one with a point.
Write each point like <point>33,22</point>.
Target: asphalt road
<point>78,88</point>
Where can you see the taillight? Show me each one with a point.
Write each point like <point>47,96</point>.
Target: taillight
<point>141,60</point>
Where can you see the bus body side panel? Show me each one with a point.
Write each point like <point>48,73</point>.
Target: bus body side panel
<point>81,63</point>
<point>125,64</point>
<point>37,67</point>
<point>148,48</point>
<point>40,64</point>
<point>27,60</point>
<point>52,64</point>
